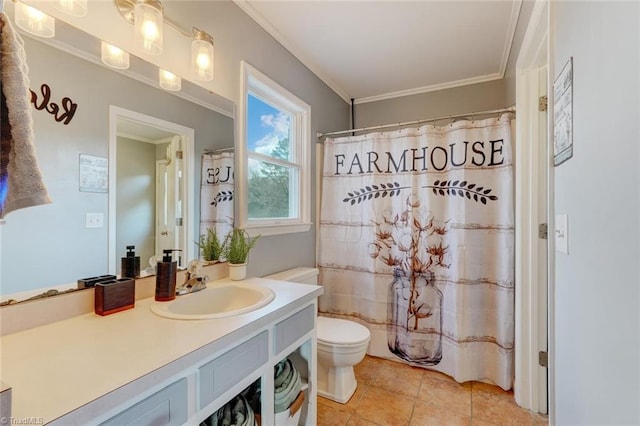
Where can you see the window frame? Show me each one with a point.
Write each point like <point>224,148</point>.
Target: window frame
<point>259,85</point>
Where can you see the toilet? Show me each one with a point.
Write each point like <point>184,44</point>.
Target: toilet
<point>341,344</point>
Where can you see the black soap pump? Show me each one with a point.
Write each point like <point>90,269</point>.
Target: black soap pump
<point>166,272</point>
<point>130,266</point>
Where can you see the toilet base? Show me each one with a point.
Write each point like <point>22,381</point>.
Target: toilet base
<point>343,399</point>
<point>337,384</point>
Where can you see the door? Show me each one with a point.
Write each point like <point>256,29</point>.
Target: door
<point>165,220</point>
<point>169,200</point>
<point>531,387</point>
<point>543,243</point>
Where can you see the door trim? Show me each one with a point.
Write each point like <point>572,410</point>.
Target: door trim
<point>531,387</point>
<point>188,135</point>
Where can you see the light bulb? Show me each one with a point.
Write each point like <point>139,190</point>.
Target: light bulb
<point>203,61</point>
<point>169,81</point>
<point>34,21</point>
<point>202,55</point>
<point>148,23</point>
<point>114,56</point>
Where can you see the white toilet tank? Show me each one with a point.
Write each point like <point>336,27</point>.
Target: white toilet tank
<point>302,275</point>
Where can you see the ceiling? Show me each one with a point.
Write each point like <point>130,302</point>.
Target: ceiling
<point>373,50</point>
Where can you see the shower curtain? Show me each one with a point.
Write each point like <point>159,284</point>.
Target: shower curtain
<point>416,241</point>
<point>216,193</point>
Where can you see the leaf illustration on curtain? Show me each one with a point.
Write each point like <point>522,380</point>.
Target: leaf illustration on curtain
<point>455,187</point>
<point>374,191</point>
<point>445,187</point>
<point>222,196</point>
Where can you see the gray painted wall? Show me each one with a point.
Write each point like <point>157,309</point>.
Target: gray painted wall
<point>48,245</point>
<point>597,285</point>
<point>238,38</point>
<point>474,97</point>
<point>136,200</point>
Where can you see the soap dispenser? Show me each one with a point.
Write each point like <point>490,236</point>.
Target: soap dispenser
<point>166,272</point>
<point>130,266</point>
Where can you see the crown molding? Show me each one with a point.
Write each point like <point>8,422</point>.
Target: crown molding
<point>313,67</point>
<point>430,88</point>
<point>246,6</point>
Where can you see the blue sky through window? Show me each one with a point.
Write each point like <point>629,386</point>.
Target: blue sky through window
<point>266,125</point>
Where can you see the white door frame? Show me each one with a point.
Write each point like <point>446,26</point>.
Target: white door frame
<point>188,134</point>
<point>531,387</point>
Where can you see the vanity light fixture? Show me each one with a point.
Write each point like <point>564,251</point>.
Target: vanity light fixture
<point>34,21</point>
<point>148,25</point>
<point>114,56</point>
<point>73,7</point>
<point>151,41</point>
<point>202,55</point>
<point>169,81</point>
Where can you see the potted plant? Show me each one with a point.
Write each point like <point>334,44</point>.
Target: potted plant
<point>210,246</point>
<point>237,245</point>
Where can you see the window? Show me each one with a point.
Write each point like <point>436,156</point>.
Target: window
<point>274,167</point>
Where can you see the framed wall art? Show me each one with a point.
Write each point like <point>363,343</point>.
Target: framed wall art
<point>563,115</point>
<point>94,173</point>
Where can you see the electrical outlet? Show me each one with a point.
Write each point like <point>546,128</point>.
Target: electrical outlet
<point>94,220</point>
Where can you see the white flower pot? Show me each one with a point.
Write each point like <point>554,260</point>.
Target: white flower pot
<point>237,271</point>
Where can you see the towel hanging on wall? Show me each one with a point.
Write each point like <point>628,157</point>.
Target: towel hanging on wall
<point>21,182</point>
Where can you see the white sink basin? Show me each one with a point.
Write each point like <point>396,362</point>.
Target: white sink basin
<point>218,301</point>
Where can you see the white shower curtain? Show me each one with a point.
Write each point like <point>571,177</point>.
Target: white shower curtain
<point>217,193</point>
<point>416,242</point>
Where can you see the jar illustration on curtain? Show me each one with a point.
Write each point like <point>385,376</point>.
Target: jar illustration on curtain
<point>414,317</point>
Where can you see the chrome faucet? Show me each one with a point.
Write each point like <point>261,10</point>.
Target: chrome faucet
<point>193,282</point>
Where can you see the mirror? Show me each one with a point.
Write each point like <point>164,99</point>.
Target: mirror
<point>151,161</point>
<point>54,245</point>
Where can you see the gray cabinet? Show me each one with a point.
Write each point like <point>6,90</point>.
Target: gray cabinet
<point>211,381</point>
<point>167,407</point>
<point>290,337</point>
<point>219,375</point>
<point>286,332</point>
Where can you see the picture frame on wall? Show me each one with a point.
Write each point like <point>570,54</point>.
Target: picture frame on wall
<point>94,173</point>
<point>563,114</point>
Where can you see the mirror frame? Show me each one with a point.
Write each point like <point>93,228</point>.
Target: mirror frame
<point>188,133</point>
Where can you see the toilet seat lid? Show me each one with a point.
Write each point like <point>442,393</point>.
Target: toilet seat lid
<point>341,332</point>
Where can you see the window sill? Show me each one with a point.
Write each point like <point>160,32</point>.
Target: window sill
<point>280,229</point>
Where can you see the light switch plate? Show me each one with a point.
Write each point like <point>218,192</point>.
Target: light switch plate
<point>562,233</point>
<point>94,220</point>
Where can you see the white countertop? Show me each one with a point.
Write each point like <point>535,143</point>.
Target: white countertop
<point>56,368</point>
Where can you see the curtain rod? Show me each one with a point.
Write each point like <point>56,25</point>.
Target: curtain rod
<point>409,123</point>
<point>213,151</point>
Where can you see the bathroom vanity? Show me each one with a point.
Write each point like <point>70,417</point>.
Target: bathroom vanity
<point>135,367</point>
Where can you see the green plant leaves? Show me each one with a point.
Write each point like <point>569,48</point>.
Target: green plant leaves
<point>237,245</point>
<point>210,245</point>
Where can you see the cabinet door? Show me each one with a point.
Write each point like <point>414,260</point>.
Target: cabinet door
<point>291,329</point>
<point>219,375</point>
<point>167,407</point>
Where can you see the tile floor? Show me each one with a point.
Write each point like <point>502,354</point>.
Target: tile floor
<point>395,394</point>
